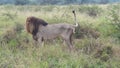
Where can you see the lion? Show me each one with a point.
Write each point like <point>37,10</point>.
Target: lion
<point>42,31</point>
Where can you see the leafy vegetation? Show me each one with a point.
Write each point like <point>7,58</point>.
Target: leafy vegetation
<point>96,43</point>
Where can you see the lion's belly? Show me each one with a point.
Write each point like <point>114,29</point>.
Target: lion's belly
<point>50,33</point>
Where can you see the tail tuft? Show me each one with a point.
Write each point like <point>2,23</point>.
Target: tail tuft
<point>73,11</point>
<point>76,24</point>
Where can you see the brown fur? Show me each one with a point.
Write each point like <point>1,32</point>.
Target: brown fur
<point>32,25</point>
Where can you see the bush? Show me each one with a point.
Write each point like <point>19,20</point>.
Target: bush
<point>91,10</point>
<point>9,16</point>
<point>13,36</point>
<point>104,53</point>
<point>96,47</point>
<point>86,31</point>
<point>114,20</point>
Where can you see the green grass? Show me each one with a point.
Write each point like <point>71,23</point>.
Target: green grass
<point>17,48</point>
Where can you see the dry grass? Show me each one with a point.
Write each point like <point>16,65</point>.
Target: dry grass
<point>94,48</point>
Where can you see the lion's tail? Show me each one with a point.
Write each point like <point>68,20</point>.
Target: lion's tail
<point>76,23</point>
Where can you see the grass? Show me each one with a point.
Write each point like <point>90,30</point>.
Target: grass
<point>95,48</point>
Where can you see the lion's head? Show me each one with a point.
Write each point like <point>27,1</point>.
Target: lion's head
<point>32,25</point>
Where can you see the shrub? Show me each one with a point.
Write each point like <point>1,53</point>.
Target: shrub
<point>104,53</point>
<point>9,16</point>
<point>85,31</point>
<point>114,20</point>
<point>13,36</point>
<point>91,10</point>
<point>96,47</point>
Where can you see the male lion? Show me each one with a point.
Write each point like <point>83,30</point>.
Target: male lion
<point>43,31</point>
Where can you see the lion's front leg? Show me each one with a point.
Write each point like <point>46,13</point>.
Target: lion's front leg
<point>35,38</point>
<point>40,41</point>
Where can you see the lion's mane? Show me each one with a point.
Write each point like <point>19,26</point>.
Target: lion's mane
<point>32,25</point>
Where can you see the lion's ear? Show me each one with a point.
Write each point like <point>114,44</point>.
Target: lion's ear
<point>45,23</point>
<point>42,22</point>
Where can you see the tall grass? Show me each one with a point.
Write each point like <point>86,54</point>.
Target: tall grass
<point>95,46</point>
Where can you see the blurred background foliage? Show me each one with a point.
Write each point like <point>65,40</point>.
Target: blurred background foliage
<point>56,2</point>
<point>96,41</point>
